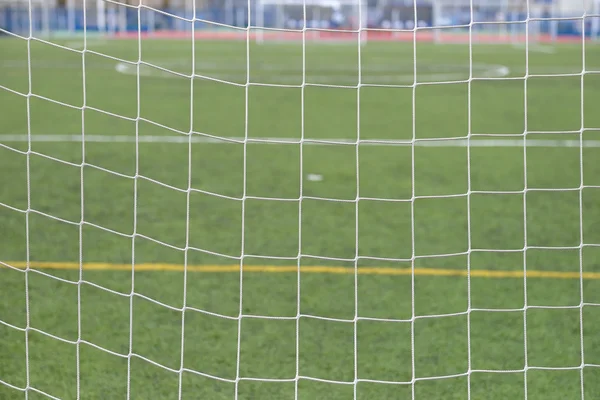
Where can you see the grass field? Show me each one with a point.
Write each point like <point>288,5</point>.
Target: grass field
<point>470,220</point>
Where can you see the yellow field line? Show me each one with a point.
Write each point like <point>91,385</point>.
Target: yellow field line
<point>477,273</point>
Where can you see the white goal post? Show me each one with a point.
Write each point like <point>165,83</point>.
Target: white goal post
<point>596,20</point>
<point>312,15</point>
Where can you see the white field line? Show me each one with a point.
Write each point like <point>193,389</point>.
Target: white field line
<point>448,142</point>
<point>539,48</point>
<point>288,73</point>
<point>78,44</point>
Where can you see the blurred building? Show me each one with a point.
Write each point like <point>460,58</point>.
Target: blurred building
<point>118,16</point>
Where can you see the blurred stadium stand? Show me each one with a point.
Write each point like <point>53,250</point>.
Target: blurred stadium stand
<point>67,16</point>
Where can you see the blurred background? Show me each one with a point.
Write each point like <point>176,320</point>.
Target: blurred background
<point>554,18</point>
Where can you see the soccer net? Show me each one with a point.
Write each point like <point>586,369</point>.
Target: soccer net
<point>299,199</point>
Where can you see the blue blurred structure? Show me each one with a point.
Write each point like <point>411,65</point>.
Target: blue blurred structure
<point>49,17</point>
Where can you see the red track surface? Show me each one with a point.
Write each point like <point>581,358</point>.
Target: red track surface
<point>372,35</point>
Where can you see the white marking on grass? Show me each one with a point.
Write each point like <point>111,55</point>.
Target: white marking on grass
<point>315,177</point>
<point>78,44</point>
<point>198,138</point>
<point>538,48</point>
<point>289,73</point>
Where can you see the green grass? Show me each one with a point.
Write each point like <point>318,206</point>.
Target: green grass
<point>236,208</point>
